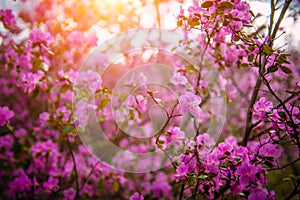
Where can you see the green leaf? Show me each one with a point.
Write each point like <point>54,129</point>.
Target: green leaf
<point>10,128</point>
<point>140,115</point>
<point>168,134</point>
<point>244,65</point>
<point>160,142</point>
<point>286,70</point>
<point>68,129</point>
<point>223,165</point>
<point>190,68</point>
<point>159,101</point>
<point>292,92</point>
<point>116,186</point>
<point>269,164</point>
<point>242,194</point>
<point>207,4</point>
<point>203,177</point>
<point>131,114</point>
<point>64,88</point>
<point>282,59</point>
<point>229,16</point>
<point>100,185</point>
<point>101,119</point>
<point>268,50</point>
<point>104,102</point>
<point>287,179</point>
<point>35,93</point>
<point>272,69</point>
<point>226,5</point>
<point>10,66</point>
<point>251,48</point>
<point>123,96</point>
<point>212,175</point>
<point>251,57</point>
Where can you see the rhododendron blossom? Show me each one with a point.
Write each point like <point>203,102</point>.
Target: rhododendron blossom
<point>178,79</point>
<point>190,103</point>
<point>261,108</point>
<point>5,115</point>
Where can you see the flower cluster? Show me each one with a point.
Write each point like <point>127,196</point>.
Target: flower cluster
<point>228,167</point>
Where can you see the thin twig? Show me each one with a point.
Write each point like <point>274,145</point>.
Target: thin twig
<point>89,175</point>
<point>181,192</point>
<point>75,167</point>
<point>272,35</point>
<point>284,166</point>
<point>277,25</point>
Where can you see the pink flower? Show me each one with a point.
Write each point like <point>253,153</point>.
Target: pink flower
<point>202,86</point>
<point>182,170</point>
<point>261,108</point>
<point>69,194</point>
<point>237,25</point>
<point>25,62</point>
<point>257,194</point>
<point>176,133</point>
<point>205,139</point>
<point>8,19</point>
<point>138,102</point>
<point>223,148</point>
<point>42,148</point>
<point>161,186</point>
<point>247,173</point>
<point>29,81</point>
<point>270,150</point>
<point>64,112</point>
<point>141,79</point>
<point>20,184</point>
<point>178,63</point>
<point>136,196</point>
<point>5,115</point>
<point>10,56</point>
<point>6,142</point>
<point>82,112</point>
<point>89,79</point>
<point>189,103</point>
<point>294,111</point>
<point>51,184</point>
<point>20,132</point>
<point>178,79</point>
<point>44,117</point>
<point>211,163</point>
<point>38,36</point>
